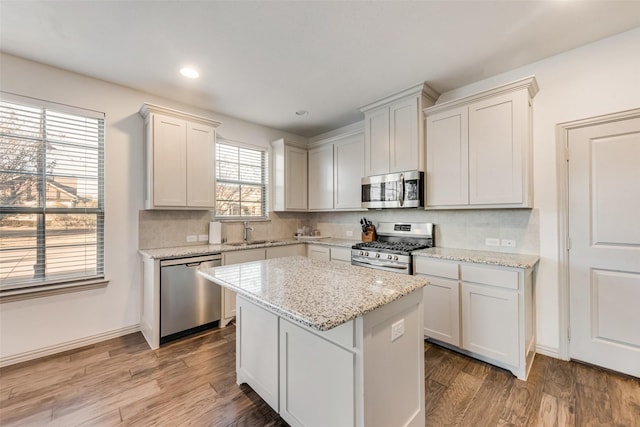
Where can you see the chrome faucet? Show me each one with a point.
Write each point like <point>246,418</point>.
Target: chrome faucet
<point>244,231</point>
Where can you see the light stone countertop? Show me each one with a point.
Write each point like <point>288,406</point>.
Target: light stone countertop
<point>195,250</point>
<point>481,257</point>
<point>318,294</point>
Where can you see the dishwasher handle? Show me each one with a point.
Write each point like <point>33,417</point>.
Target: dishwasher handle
<point>192,261</point>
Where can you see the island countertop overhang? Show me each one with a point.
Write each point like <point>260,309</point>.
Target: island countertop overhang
<point>317,294</point>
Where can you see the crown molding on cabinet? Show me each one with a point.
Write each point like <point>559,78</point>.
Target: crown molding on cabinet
<point>337,134</point>
<point>148,108</point>
<point>421,88</point>
<point>529,83</point>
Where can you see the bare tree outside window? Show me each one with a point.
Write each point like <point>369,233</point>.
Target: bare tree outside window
<point>241,183</point>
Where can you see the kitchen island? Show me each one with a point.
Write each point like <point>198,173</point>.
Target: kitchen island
<point>327,344</point>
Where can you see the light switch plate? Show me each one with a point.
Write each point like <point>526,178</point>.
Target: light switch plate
<point>490,241</point>
<point>397,330</point>
<point>508,243</point>
<point>192,238</point>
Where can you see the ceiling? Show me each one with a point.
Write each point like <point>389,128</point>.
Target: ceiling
<point>263,61</point>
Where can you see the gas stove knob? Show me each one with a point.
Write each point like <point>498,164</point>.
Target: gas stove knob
<point>389,257</point>
<point>395,258</point>
<point>377,255</point>
<point>361,253</point>
<point>366,254</point>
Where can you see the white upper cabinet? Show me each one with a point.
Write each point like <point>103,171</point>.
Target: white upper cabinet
<point>321,177</point>
<point>179,159</point>
<point>479,149</point>
<point>336,167</point>
<point>290,176</point>
<point>394,131</point>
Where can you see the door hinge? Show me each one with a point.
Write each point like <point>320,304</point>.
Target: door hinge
<point>566,154</point>
<point>569,334</point>
<point>568,243</point>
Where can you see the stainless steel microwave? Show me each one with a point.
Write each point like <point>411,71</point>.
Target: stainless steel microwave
<point>396,190</point>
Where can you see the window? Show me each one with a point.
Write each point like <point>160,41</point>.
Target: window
<point>51,194</point>
<point>241,181</point>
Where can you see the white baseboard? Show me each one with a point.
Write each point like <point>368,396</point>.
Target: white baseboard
<point>66,346</point>
<point>548,351</point>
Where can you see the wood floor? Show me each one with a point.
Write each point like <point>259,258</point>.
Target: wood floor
<point>192,381</point>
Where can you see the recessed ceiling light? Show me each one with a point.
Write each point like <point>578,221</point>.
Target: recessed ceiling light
<point>302,113</point>
<point>189,72</point>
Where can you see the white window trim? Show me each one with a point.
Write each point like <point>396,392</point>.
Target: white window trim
<point>267,207</point>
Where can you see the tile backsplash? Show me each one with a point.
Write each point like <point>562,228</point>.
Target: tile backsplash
<point>465,229</point>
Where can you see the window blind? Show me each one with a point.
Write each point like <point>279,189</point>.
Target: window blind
<point>51,193</point>
<point>241,181</point>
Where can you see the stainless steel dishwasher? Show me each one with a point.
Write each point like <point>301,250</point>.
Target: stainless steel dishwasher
<point>188,302</point>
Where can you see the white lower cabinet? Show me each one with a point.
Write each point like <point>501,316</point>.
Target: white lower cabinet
<point>320,252</point>
<point>257,347</point>
<point>341,377</point>
<point>307,358</point>
<point>482,310</point>
<point>490,322</point>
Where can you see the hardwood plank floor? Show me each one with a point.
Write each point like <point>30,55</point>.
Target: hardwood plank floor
<point>121,382</point>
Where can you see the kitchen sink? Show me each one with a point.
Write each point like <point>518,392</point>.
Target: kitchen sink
<point>253,242</point>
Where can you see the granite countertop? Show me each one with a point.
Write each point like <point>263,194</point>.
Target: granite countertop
<point>318,294</point>
<point>481,257</point>
<point>194,250</point>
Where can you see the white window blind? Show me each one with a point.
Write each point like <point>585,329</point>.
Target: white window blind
<point>241,181</point>
<point>51,193</point>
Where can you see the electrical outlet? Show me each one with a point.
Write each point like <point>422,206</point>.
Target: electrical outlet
<point>397,330</point>
<point>192,238</point>
<point>349,233</point>
<point>490,241</point>
<point>203,237</point>
<point>508,243</point>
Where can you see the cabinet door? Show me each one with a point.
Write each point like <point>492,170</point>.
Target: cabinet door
<point>311,363</point>
<point>323,253</point>
<point>348,172</point>
<point>321,177</point>
<point>404,141</point>
<point>200,165</point>
<point>295,178</point>
<point>257,351</point>
<point>376,142</point>
<point>169,161</point>
<point>289,250</point>
<point>442,310</point>
<point>447,180</point>
<point>236,257</point>
<point>490,322</point>
<point>498,131</point>
<point>340,254</point>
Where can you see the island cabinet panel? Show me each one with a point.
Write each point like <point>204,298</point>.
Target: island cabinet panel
<point>315,374</point>
<point>288,250</point>
<point>257,350</point>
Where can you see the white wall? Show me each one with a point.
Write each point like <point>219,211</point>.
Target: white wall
<point>41,323</point>
<point>597,79</point>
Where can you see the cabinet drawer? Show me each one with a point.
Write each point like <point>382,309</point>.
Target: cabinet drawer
<point>438,268</point>
<point>490,276</point>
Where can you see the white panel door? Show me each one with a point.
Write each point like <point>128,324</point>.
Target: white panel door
<point>404,141</point>
<point>169,161</point>
<point>604,257</point>
<point>200,165</point>
<point>442,310</point>
<point>447,179</point>
<point>348,172</point>
<point>321,177</point>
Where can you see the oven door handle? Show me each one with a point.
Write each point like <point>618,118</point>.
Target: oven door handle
<point>382,264</point>
<point>401,189</point>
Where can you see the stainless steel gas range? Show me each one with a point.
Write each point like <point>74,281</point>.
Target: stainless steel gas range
<point>392,250</point>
